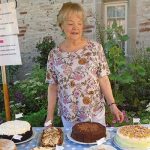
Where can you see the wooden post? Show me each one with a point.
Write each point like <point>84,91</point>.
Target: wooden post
<point>6,94</point>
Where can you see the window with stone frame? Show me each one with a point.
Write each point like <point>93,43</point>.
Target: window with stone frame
<point>117,11</point>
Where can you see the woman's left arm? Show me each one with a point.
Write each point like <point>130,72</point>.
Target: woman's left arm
<point>107,92</point>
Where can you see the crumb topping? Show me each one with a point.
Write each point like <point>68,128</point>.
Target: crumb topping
<point>87,126</point>
<point>135,131</point>
<point>51,137</point>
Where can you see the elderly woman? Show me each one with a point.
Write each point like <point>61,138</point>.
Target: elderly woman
<point>77,73</point>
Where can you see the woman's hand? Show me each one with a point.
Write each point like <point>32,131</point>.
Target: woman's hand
<point>48,122</point>
<point>52,96</point>
<point>107,91</point>
<point>117,113</point>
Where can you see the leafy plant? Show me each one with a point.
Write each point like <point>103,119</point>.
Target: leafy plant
<point>111,121</point>
<point>44,48</point>
<point>100,32</point>
<point>1,97</point>
<point>31,92</point>
<point>36,119</point>
<point>11,72</point>
<point>139,89</point>
<point>2,117</point>
<point>117,61</point>
<point>29,97</point>
<point>129,77</point>
<point>115,37</point>
<point>145,117</point>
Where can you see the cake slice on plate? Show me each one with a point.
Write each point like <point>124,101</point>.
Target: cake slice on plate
<point>51,137</point>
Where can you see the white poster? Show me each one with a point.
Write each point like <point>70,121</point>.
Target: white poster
<point>9,51</point>
<point>8,19</point>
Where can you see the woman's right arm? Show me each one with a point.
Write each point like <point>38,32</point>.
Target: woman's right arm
<point>52,98</point>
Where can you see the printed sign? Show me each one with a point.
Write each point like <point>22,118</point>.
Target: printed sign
<point>9,51</point>
<point>17,137</point>
<point>8,19</point>
<point>18,115</point>
<point>136,120</point>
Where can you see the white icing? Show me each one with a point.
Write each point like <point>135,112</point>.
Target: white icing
<point>136,142</point>
<point>14,127</point>
<point>142,139</point>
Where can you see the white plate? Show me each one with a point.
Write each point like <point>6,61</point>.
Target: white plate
<point>115,142</point>
<point>106,147</point>
<point>27,140</point>
<point>73,140</point>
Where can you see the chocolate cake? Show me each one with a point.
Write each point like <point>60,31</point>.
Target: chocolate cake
<point>88,132</point>
<point>51,137</point>
<point>16,127</point>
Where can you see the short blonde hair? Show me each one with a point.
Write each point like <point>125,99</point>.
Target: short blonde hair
<point>67,9</point>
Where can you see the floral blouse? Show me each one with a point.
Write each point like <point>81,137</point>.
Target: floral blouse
<point>77,74</point>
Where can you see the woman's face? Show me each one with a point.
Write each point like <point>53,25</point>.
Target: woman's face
<point>73,27</point>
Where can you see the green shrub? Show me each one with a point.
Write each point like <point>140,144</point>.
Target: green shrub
<point>120,76</point>
<point>29,97</point>
<point>36,119</point>
<point>129,78</point>
<point>11,72</point>
<point>44,48</point>
<point>138,92</point>
<point>31,92</point>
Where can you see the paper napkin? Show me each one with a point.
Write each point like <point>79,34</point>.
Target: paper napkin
<point>101,141</point>
<point>59,147</point>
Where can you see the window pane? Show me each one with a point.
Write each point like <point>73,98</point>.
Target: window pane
<point>116,11</point>
<point>120,11</point>
<point>110,12</point>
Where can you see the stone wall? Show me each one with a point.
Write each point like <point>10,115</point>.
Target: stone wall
<point>37,19</point>
<point>143,23</point>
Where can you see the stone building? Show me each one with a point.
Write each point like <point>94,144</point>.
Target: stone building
<point>37,19</point>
